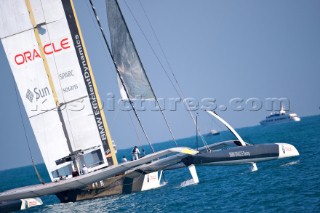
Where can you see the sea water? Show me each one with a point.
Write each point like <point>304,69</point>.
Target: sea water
<point>287,185</point>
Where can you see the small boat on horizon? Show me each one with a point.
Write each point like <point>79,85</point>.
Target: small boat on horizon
<point>213,132</point>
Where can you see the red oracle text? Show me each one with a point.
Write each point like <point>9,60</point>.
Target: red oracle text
<point>48,49</point>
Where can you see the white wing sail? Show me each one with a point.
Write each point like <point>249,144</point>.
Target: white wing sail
<point>47,56</point>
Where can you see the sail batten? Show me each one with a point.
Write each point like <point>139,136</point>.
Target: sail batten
<point>126,57</point>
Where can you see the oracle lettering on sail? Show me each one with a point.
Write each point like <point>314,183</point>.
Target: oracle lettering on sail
<point>48,49</point>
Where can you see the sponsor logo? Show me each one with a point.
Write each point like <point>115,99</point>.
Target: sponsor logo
<point>48,49</point>
<point>29,95</point>
<point>70,88</point>
<point>66,74</point>
<point>91,92</point>
<point>239,154</point>
<point>37,93</point>
<point>153,176</point>
<point>288,148</point>
<point>41,93</point>
<point>32,202</point>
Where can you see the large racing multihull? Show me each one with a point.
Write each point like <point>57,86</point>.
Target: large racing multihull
<point>49,62</point>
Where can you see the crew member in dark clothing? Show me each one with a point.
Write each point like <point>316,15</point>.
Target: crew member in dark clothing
<point>135,153</point>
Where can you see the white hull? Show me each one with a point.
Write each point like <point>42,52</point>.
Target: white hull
<point>280,118</point>
<point>152,181</point>
<point>21,204</point>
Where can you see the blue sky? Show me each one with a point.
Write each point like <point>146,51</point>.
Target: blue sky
<point>217,49</point>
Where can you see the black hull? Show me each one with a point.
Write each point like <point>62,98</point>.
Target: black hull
<point>237,155</point>
<point>10,206</point>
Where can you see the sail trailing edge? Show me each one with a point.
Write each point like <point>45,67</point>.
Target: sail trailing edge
<point>126,57</point>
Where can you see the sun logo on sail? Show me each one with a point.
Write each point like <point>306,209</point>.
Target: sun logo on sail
<point>29,95</point>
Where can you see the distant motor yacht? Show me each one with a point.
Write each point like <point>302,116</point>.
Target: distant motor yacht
<point>280,117</point>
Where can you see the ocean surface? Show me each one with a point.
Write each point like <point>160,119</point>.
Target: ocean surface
<point>288,185</point>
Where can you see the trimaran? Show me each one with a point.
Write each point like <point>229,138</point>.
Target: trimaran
<point>51,68</point>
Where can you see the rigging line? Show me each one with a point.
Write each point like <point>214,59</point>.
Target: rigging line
<point>27,140</point>
<point>118,72</point>
<point>135,128</point>
<point>93,21</point>
<point>178,90</point>
<point>158,41</point>
<point>101,41</point>
<point>161,110</point>
<point>177,86</point>
<point>144,35</point>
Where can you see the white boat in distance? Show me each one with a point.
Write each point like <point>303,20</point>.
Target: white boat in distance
<point>214,132</point>
<point>280,117</point>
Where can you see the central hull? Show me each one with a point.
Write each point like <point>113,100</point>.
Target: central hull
<point>121,184</point>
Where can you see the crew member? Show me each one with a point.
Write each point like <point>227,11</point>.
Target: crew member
<point>135,153</point>
<point>124,159</point>
<point>75,173</point>
<point>84,169</point>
